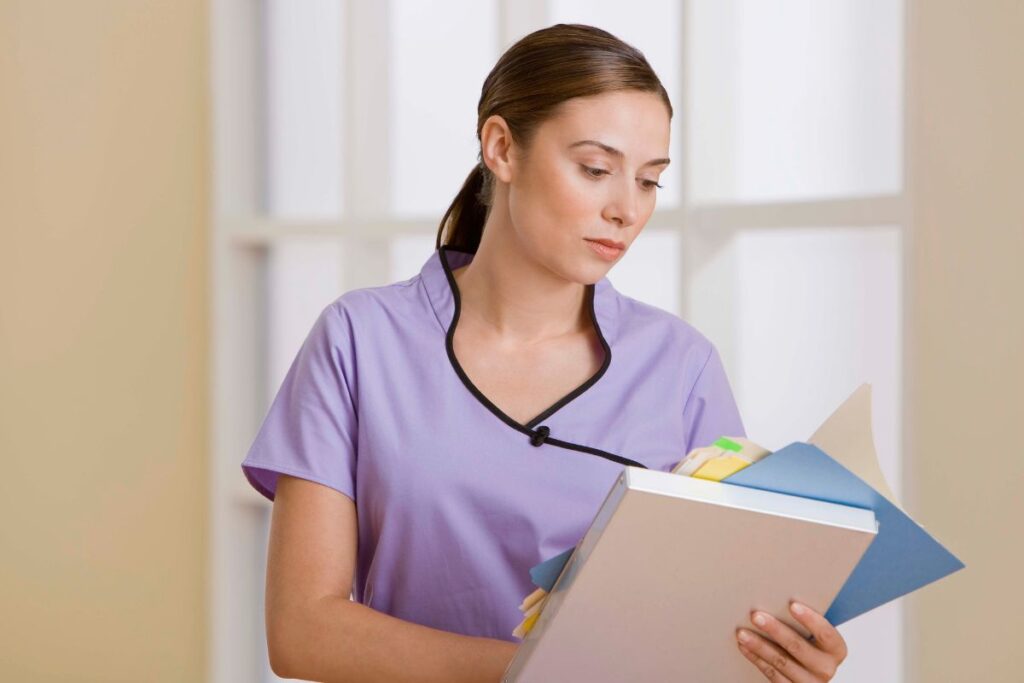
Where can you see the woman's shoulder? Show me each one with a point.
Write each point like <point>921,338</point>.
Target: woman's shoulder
<point>365,300</point>
<point>653,325</point>
<point>367,308</point>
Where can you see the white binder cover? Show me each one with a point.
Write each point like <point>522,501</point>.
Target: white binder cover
<point>672,565</point>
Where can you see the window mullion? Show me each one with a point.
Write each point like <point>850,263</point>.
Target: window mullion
<point>847,212</point>
<point>681,109</point>
<point>516,18</point>
<point>367,140</point>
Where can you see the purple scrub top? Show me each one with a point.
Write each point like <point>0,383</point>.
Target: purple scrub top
<point>456,500</point>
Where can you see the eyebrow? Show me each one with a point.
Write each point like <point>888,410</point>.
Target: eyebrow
<point>615,152</point>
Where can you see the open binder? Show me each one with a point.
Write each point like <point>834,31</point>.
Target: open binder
<point>671,565</point>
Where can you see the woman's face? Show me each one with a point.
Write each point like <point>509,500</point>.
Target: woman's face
<point>574,187</point>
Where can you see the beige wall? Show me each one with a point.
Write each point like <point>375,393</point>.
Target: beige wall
<point>967,328</point>
<point>103,338</point>
<point>103,364</point>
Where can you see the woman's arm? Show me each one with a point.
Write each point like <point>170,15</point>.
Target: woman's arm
<point>339,640</point>
<point>315,632</point>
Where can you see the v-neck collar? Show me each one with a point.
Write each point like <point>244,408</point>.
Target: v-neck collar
<point>443,292</point>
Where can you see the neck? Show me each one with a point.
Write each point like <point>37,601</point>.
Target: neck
<point>518,299</point>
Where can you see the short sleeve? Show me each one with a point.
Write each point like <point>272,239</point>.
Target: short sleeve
<point>710,411</point>
<point>310,428</point>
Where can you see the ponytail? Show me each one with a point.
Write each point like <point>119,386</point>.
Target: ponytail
<point>467,214</point>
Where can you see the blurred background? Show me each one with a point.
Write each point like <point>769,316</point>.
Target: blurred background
<point>185,184</point>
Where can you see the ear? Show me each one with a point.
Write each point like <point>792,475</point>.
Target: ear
<point>496,147</point>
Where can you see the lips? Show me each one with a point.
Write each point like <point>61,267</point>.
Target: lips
<point>603,251</point>
<point>609,243</point>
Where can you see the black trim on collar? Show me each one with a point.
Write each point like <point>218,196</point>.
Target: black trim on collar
<point>540,435</point>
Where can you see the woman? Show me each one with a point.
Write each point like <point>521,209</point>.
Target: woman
<point>437,437</point>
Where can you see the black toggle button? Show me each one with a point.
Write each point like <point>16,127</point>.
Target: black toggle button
<point>540,435</point>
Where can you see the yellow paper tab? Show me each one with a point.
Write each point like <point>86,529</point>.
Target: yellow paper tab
<point>523,628</point>
<point>720,468</point>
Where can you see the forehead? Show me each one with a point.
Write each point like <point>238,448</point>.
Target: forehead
<point>634,121</point>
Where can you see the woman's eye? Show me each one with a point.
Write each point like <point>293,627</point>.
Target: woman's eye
<point>598,172</point>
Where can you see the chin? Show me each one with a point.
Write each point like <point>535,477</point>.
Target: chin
<point>591,273</point>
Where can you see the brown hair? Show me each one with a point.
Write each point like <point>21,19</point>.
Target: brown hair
<point>531,79</point>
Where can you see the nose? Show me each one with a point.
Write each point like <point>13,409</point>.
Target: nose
<point>622,206</point>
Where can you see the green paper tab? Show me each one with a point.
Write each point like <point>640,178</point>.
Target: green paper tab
<point>728,444</point>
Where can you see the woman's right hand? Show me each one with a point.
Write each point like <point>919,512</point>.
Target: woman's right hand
<point>788,656</point>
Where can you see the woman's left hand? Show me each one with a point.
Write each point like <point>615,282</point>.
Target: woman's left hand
<point>788,656</point>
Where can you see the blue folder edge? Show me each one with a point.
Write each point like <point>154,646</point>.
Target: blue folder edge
<point>902,558</point>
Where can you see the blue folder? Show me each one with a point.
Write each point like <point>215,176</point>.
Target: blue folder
<point>902,558</point>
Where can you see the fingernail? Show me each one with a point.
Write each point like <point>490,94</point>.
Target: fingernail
<point>743,636</point>
<point>759,619</point>
<point>797,608</point>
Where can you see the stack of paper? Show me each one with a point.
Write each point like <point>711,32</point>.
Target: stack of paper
<point>838,465</point>
<point>726,456</point>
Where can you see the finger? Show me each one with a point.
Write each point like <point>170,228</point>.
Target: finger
<point>818,662</point>
<point>769,671</point>
<point>826,637</point>
<point>776,664</point>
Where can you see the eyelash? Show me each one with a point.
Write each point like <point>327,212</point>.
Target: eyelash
<point>587,170</point>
